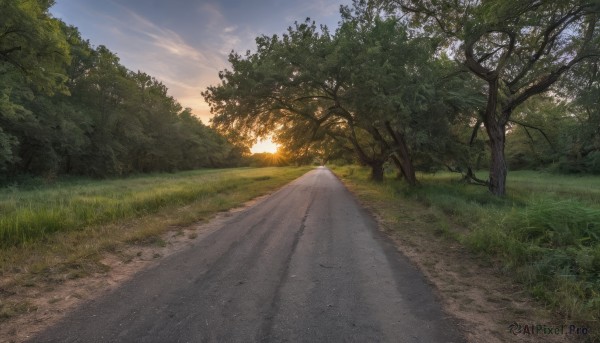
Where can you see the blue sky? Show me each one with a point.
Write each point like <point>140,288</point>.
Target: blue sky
<point>184,43</point>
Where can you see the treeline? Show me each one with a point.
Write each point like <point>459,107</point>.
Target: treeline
<point>427,85</point>
<point>67,107</point>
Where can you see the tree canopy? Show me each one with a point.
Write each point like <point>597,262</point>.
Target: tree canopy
<point>368,87</point>
<point>414,82</point>
<point>519,48</point>
<point>67,107</point>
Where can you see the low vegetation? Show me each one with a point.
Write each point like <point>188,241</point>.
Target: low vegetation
<point>33,213</point>
<point>52,233</point>
<point>545,235</point>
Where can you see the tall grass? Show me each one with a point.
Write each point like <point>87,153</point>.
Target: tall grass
<point>545,233</point>
<point>33,212</point>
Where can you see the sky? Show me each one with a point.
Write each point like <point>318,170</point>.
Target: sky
<point>185,43</point>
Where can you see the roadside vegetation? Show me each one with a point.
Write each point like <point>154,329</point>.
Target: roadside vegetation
<point>51,233</point>
<point>545,235</point>
<point>32,213</point>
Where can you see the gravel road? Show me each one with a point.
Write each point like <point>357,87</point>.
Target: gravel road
<point>306,264</point>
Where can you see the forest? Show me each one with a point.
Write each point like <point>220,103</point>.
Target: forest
<point>68,108</point>
<point>426,86</point>
<point>416,86</point>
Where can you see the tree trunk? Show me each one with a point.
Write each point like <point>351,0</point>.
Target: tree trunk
<point>408,169</point>
<point>498,169</point>
<point>375,164</point>
<point>68,166</point>
<point>406,166</point>
<point>400,174</point>
<point>376,171</point>
<point>496,130</point>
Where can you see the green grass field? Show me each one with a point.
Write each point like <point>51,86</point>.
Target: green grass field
<point>32,213</point>
<point>545,234</point>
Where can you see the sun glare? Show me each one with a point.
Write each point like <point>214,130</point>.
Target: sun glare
<point>264,145</point>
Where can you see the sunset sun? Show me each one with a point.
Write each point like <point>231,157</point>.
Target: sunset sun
<point>264,145</point>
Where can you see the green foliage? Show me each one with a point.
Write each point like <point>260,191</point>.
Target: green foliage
<point>32,43</point>
<point>368,88</point>
<point>69,108</point>
<point>519,48</point>
<point>7,145</point>
<point>580,135</point>
<point>535,138</point>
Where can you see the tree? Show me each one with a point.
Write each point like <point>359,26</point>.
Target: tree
<point>519,48</point>
<point>412,96</point>
<point>292,85</point>
<point>367,87</point>
<point>32,43</point>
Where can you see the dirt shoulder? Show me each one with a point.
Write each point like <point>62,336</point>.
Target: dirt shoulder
<point>482,297</point>
<point>33,307</point>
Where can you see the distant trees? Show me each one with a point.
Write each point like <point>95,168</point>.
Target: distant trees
<point>69,108</point>
<point>560,130</point>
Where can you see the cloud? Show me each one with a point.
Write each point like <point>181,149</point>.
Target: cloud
<point>323,8</point>
<point>322,11</point>
<point>169,41</point>
<point>185,67</point>
<point>185,43</point>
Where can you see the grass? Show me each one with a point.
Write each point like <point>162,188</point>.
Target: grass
<point>545,234</point>
<point>53,233</point>
<point>30,215</point>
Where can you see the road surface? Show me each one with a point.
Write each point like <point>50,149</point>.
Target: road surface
<point>306,264</point>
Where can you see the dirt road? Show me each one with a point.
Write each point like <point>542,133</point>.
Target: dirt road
<point>306,264</point>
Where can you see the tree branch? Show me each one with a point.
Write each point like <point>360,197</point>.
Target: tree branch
<point>535,128</point>
<point>546,81</point>
<point>475,130</point>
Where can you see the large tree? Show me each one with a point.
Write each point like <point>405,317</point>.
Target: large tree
<point>519,48</point>
<point>368,87</point>
<point>294,83</point>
